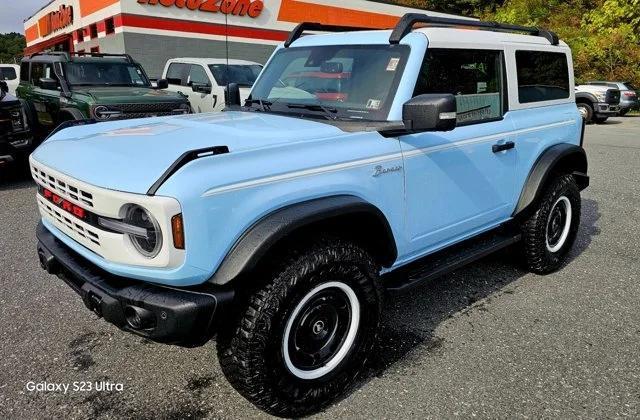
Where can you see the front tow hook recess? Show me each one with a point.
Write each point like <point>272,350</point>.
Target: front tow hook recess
<point>48,262</point>
<point>94,302</point>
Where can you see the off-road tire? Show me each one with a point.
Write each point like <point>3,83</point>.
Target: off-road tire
<point>538,254</point>
<point>588,112</point>
<point>624,112</point>
<point>252,354</point>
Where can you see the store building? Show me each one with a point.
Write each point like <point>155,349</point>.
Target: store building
<point>153,31</point>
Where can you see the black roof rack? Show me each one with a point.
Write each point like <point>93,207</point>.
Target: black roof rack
<point>312,26</point>
<point>67,55</point>
<point>407,22</point>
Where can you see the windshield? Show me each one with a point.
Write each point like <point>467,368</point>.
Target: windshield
<point>242,74</point>
<point>354,82</point>
<point>105,74</point>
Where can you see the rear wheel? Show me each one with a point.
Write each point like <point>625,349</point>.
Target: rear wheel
<point>550,232</point>
<point>624,112</point>
<point>586,111</point>
<point>305,337</point>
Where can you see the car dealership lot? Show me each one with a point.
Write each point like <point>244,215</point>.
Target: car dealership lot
<point>489,340</point>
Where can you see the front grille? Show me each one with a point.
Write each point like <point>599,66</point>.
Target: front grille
<point>131,115</point>
<point>66,221</point>
<point>63,188</point>
<point>613,97</point>
<point>10,120</point>
<point>154,108</point>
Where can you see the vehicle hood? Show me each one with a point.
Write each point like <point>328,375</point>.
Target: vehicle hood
<point>131,155</point>
<point>120,95</point>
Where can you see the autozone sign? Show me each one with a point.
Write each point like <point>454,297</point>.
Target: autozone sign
<point>251,8</point>
<point>55,21</point>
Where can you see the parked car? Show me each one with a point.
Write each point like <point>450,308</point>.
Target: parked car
<point>205,80</point>
<point>15,136</point>
<point>9,74</point>
<point>628,95</point>
<point>60,87</point>
<point>597,103</point>
<point>279,224</point>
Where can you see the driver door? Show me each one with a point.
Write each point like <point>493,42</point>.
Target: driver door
<point>46,102</point>
<point>456,183</point>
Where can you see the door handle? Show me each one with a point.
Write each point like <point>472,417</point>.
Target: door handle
<point>501,147</point>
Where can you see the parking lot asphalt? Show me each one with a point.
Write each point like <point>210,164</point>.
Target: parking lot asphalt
<point>489,341</point>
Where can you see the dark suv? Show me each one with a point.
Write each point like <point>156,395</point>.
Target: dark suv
<point>59,87</point>
<point>15,136</point>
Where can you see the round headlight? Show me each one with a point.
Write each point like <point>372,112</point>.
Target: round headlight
<point>148,245</point>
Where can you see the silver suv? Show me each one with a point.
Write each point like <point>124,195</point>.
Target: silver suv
<point>628,94</point>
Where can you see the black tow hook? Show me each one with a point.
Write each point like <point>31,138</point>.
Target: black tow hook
<point>48,262</point>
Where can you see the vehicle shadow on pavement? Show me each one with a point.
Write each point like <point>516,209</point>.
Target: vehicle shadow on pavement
<point>15,176</point>
<point>409,321</point>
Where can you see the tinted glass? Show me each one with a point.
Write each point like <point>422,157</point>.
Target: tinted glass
<point>473,76</point>
<point>24,72</point>
<point>243,75</point>
<point>105,74</point>
<point>542,76</point>
<point>359,82</point>
<point>8,73</point>
<point>630,86</point>
<point>37,72</point>
<point>198,76</point>
<point>177,74</point>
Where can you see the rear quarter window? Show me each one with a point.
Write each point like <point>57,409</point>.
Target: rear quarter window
<point>542,76</point>
<point>8,73</point>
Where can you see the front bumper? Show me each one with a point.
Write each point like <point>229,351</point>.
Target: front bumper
<point>13,144</point>
<point>606,110</point>
<point>184,317</point>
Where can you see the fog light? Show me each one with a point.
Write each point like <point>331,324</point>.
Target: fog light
<point>139,318</point>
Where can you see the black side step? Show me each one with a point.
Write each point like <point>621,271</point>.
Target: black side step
<point>450,259</point>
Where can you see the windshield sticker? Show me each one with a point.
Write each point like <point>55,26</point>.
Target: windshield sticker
<point>393,64</point>
<point>374,104</point>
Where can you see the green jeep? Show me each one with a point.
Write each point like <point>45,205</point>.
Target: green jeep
<point>59,87</point>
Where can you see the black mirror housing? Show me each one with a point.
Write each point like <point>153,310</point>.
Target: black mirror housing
<point>162,84</point>
<point>48,83</point>
<point>232,95</point>
<point>201,88</point>
<point>430,112</point>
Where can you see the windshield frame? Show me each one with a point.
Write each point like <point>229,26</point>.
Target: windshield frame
<point>143,74</point>
<point>282,107</point>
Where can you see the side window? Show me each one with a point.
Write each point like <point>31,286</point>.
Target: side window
<point>24,72</point>
<point>198,76</point>
<point>473,76</point>
<point>542,76</point>
<point>8,73</point>
<point>177,74</point>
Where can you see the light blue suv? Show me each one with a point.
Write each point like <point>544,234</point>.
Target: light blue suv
<point>363,161</point>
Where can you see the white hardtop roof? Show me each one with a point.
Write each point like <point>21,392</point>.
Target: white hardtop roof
<point>439,37</point>
<point>207,61</point>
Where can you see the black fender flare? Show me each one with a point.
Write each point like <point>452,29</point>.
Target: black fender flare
<point>263,235</point>
<point>75,114</point>
<point>564,157</point>
<point>581,96</point>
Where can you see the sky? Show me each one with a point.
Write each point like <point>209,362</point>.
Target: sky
<point>14,12</point>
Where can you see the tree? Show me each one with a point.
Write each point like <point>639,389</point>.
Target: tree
<point>12,46</point>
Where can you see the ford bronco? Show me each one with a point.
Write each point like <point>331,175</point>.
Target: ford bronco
<point>61,87</point>
<point>278,224</point>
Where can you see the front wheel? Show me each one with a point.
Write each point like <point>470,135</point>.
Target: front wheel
<point>586,111</point>
<point>305,336</point>
<point>550,232</point>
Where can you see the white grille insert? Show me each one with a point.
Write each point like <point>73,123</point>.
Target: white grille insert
<point>67,221</point>
<point>63,188</point>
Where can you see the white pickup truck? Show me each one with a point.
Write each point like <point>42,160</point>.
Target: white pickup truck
<point>10,73</point>
<point>204,80</point>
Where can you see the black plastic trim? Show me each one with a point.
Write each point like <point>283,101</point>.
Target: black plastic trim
<point>314,26</point>
<point>544,168</point>
<point>406,23</point>
<point>248,251</point>
<point>187,317</point>
<point>183,160</point>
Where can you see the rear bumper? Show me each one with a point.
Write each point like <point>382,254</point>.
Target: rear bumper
<point>184,317</point>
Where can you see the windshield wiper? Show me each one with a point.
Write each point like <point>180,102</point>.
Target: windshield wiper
<point>328,111</point>
<point>264,104</point>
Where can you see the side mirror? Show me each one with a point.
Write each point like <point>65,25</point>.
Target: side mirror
<point>232,95</point>
<point>431,112</point>
<point>4,88</point>
<point>162,84</point>
<point>201,88</point>
<point>48,84</point>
